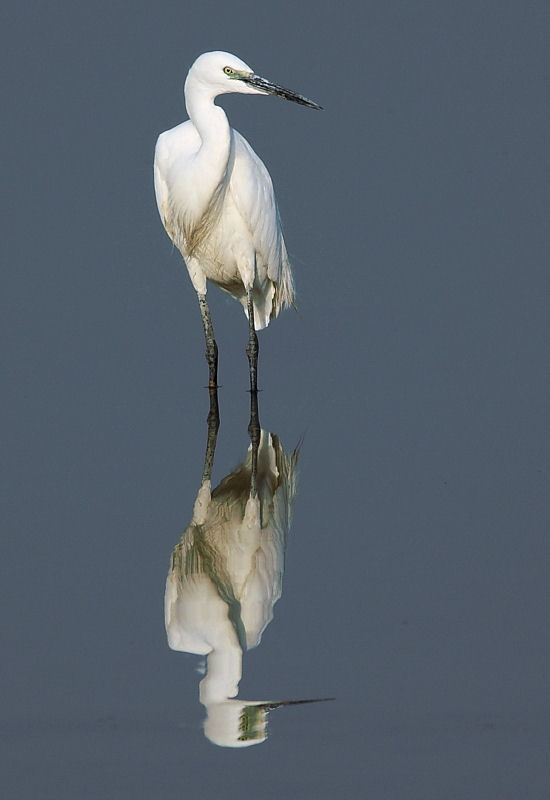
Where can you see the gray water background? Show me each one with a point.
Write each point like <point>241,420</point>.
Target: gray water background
<point>416,212</point>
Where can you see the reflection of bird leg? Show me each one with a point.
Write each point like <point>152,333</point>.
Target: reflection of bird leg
<point>255,434</point>
<point>211,346</point>
<point>252,348</point>
<point>213,420</point>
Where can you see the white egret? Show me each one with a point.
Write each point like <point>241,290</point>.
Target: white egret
<point>216,201</point>
<point>226,575</point>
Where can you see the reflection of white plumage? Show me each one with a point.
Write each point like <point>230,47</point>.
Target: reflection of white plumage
<point>216,200</point>
<point>226,575</point>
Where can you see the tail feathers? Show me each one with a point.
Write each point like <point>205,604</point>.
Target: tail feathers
<point>271,297</point>
<point>263,305</point>
<point>285,295</point>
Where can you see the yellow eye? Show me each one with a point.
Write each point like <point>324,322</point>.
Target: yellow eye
<point>228,70</point>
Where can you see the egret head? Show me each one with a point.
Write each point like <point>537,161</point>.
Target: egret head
<point>222,73</point>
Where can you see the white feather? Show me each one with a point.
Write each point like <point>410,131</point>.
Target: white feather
<point>216,200</point>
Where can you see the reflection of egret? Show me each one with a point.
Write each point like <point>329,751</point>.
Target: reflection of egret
<point>216,201</point>
<point>226,575</point>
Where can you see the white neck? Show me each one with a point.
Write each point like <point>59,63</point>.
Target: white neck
<point>223,673</point>
<point>210,121</point>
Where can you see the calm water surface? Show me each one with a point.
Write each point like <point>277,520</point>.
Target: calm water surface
<point>415,377</point>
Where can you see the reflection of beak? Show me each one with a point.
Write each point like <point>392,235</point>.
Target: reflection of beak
<point>280,703</point>
<point>272,88</point>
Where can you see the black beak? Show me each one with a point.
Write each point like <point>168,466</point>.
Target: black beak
<point>272,88</point>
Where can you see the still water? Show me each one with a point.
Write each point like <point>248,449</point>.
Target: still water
<point>226,574</point>
<point>292,580</point>
<point>376,531</point>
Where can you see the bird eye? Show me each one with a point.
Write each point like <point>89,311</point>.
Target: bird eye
<point>228,70</point>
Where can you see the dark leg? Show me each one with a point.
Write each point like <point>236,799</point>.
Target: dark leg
<point>254,433</point>
<point>252,348</point>
<point>213,420</point>
<point>211,346</point>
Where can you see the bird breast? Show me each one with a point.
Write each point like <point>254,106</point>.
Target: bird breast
<point>198,208</point>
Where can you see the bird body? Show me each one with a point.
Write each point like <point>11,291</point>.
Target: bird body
<point>232,555</point>
<point>216,201</point>
<point>225,222</point>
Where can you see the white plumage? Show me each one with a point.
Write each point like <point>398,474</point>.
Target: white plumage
<point>235,240</point>
<point>216,200</point>
<point>226,575</point>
